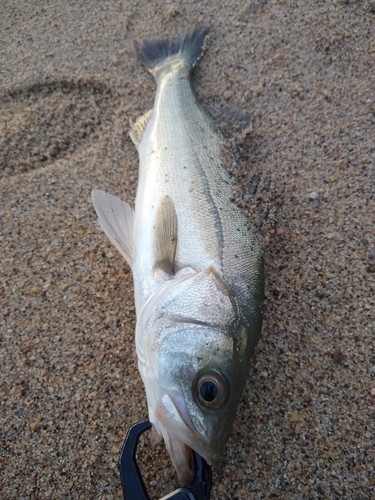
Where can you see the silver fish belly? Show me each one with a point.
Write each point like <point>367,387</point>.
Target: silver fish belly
<point>196,262</point>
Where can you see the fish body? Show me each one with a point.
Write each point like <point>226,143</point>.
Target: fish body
<point>196,261</point>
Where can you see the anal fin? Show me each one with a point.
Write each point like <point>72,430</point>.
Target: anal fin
<point>165,236</point>
<point>116,218</point>
<point>139,126</point>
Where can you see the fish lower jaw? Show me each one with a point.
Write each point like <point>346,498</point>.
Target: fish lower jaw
<point>182,457</point>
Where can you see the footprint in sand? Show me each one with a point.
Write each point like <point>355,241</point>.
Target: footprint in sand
<point>46,122</point>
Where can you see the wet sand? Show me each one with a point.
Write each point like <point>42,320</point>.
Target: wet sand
<point>70,389</point>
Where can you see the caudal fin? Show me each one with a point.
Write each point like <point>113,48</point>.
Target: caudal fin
<point>156,54</point>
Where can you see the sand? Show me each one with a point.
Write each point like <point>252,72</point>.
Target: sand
<point>70,388</point>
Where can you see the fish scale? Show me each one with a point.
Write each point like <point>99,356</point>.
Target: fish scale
<point>180,156</point>
<point>196,261</point>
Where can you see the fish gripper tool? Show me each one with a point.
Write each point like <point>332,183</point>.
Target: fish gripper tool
<point>133,486</point>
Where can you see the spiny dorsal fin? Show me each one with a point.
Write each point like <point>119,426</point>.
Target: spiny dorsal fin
<point>139,126</point>
<point>116,218</point>
<point>165,236</point>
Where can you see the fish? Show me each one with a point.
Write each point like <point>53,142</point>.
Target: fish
<point>196,260</point>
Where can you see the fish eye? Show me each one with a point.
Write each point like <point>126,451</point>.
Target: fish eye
<point>211,389</point>
<point>208,391</point>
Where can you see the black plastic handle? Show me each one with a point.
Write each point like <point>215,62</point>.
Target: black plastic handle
<point>133,486</point>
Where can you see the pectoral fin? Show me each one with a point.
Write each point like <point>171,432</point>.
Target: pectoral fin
<point>165,236</point>
<point>116,218</point>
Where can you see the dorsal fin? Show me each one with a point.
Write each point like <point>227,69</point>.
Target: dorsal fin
<point>165,236</point>
<point>139,126</point>
<point>116,218</point>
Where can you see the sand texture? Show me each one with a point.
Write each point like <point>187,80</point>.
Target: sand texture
<point>70,389</point>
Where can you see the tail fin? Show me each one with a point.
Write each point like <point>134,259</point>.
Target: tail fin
<point>156,54</point>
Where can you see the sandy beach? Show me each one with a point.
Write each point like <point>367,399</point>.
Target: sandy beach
<point>70,389</point>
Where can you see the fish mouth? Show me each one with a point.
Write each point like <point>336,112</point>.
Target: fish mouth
<point>180,436</point>
<point>181,454</point>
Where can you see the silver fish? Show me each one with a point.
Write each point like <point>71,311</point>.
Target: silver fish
<point>196,262</point>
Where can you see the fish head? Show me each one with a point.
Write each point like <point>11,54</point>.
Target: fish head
<point>195,371</point>
<point>197,401</point>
